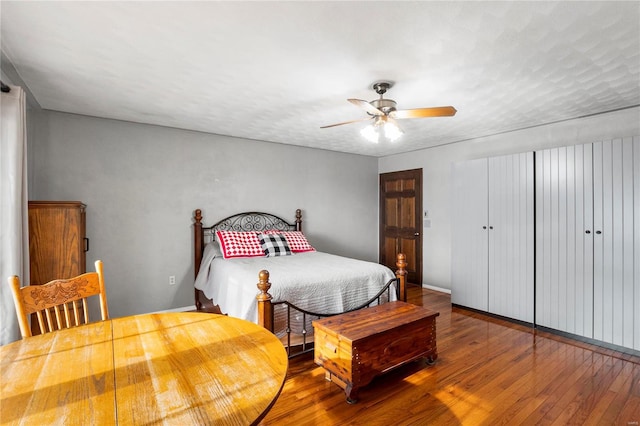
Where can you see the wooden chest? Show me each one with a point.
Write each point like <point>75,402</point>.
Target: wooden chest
<point>356,346</point>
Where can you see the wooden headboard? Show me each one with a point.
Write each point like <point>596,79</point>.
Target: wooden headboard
<point>247,221</point>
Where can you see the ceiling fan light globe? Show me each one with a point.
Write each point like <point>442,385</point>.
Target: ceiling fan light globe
<point>392,132</point>
<point>371,133</point>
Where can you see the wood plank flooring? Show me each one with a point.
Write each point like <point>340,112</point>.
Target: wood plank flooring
<point>489,372</point>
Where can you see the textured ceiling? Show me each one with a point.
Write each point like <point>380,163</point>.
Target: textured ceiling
<point>277,71</point>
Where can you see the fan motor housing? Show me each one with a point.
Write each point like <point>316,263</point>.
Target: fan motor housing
<point>384,105</point>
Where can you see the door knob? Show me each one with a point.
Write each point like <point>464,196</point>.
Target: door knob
<point>598,232</point>
<point>417,234</point>
<point>484,227</point>
<point>587,232</point>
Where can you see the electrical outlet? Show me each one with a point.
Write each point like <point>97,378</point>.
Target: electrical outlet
<point>172,280</point>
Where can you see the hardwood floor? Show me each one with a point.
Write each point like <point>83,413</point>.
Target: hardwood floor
<point>489,372</point>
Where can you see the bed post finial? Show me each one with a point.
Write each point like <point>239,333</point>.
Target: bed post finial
<point>198,216</point>
<point>298,220</point>
<point>401,274</point>
<point>265,308</point>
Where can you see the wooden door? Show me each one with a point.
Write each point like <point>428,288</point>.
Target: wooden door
<point>470,235</point>
<point>401,220</point>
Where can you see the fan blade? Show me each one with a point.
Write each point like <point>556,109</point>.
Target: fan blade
<point>346,122</point>
<point>366,106</point>
<point>445,111</point>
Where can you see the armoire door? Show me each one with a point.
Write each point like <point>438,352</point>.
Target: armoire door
<point>564,239</point>
<point>469,229</point>
<point>57,240</point>
<point>511,236</point>
<point>57,243</point>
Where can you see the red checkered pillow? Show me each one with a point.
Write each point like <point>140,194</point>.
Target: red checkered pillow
<point>239,244</point>
<point>295,239</point>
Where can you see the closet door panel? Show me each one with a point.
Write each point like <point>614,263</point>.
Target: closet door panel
<point>563,239</point>
<point>582,231</point>
<point>602,246</point>
<point>547,288</point>
<point>543,237</point>
<point>469,263</point>
<point>560,223</point>
<point>615,282</point>
<point>631,283</point>
<point>511,236</point>
<point>568,234</point>
<point>635,314</point>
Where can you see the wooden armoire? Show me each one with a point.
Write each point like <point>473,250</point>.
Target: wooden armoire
<point>57,241</point>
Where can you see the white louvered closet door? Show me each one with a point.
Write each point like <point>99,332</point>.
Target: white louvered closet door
<point>616,166</point>
<point>469,262</point>
<point>564,239</point>
<point>511,236</point>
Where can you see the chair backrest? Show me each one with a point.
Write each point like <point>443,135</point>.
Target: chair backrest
<point>59,303</point>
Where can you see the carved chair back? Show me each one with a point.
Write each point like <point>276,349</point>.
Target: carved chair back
<point>59,303</point>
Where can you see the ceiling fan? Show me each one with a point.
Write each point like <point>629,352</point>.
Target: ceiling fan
<point>384,114</point>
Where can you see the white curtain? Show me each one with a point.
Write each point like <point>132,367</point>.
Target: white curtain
<point>14,230</point>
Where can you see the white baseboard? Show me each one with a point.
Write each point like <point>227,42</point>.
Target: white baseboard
<point>440,289</point>
<point>183,309</point>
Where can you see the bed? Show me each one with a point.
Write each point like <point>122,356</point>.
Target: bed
<point>307,284</point>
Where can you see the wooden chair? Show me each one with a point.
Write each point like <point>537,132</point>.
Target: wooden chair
<point>64,299</point>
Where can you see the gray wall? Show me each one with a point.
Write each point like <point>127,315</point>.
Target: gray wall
<point>436,164</point>
<point>141,184</point>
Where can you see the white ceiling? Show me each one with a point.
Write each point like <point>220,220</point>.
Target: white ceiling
<point>277,71</point>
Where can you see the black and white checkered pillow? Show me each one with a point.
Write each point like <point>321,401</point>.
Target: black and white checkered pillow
<point>274,245</point>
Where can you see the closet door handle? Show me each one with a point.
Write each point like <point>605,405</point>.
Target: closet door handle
<point>484,227</point>
<point>86,244</point>
<point>587,232</point>
<point>491,227</point>
<point>598,232</point>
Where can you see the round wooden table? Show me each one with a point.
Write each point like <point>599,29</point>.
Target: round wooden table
<point>173,368</point>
